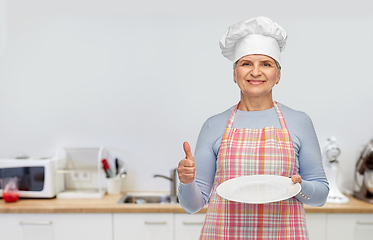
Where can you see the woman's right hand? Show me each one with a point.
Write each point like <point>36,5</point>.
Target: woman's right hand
<point>186,169</point>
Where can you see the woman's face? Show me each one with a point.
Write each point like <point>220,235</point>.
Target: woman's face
<point>256,75</point>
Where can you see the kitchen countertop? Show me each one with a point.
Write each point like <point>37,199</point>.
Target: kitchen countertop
<point>108,204</point>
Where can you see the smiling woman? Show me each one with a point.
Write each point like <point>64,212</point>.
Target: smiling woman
<point>258,136</point>
<point>256,75</point>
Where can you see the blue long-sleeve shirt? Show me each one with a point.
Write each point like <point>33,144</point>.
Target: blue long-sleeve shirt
<point>315,188</point>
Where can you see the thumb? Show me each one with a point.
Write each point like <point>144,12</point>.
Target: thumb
<point>188,152</point>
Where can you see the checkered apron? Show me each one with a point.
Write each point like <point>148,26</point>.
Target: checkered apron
<point>250,152</point>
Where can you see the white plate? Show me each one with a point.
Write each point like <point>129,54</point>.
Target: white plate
<point>258,189</point>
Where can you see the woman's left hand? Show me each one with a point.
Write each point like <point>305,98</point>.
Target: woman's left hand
<point>296,179</point>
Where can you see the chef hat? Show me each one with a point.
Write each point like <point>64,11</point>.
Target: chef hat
<point>254,36</point>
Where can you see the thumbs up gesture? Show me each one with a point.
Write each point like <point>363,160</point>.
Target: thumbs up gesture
<point>186,169</point>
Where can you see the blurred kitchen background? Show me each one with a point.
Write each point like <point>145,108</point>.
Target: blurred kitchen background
<point>141,77</point>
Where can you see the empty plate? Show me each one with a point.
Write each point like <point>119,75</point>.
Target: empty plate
<point>258,189</point>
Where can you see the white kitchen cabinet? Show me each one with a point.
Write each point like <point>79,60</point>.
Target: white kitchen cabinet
<point>144,226</point>
<point>316,225</point>
<point>188,226</point>
<point>321,226</point>
<point>59,226</point>
<point>165,226</point>
<point>349,226</point>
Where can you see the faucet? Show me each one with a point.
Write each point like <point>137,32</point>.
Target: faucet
<point>173,181</point>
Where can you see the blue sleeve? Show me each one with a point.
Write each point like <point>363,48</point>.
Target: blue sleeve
<point>315,187</point>
<point>195,195</point>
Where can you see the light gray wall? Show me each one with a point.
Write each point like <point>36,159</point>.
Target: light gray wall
<point>142,77</point>
<point>3,27</point>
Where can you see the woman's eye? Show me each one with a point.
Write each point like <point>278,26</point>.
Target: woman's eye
<point>267,64</point>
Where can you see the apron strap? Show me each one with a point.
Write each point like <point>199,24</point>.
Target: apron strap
<point>278,111</point>
<point>280,116</point>
<point>231,118</point>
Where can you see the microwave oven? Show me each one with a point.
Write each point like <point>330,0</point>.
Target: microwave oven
<point>37,178</point>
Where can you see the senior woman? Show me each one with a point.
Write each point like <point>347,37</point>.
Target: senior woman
<point>257,136</point>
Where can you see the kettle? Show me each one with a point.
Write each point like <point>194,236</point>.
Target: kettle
<point>364,170</point>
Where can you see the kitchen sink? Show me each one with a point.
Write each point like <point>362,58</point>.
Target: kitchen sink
<point>144,198</point>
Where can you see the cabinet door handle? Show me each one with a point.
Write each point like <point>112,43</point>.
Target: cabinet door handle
<point>35,222</point>
<point>364,223</point>
<point>193,223</point>
<point>155,223</point>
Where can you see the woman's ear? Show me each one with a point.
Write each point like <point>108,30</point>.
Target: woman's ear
<point>278,77</point>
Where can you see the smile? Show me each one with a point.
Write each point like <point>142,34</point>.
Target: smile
<point>256,82</point>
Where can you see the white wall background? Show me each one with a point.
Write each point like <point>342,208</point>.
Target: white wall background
<point>141,77</point>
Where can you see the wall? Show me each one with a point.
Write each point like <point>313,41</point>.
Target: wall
<point>142,77</point>
<point>3,27</point>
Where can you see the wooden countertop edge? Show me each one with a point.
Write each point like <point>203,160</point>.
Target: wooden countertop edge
<point>108,204</point>
<point>154,210</point>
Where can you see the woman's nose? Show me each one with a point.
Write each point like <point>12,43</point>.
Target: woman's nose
<point>255,71</point>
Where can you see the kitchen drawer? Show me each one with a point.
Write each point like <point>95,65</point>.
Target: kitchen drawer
<point>349,226</point>
<point>316,225</point>
<point>129,226</point>
<point>188,226</point>
<point>56,226</point>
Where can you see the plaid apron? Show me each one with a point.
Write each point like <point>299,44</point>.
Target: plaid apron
<point>250,152</point>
